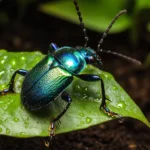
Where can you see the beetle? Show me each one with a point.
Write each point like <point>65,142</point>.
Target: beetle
<point>49,78</point>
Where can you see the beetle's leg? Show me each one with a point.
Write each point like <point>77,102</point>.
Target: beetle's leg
<point>11,83</point>
<point>65,96</point>
<point>92,78</point>
<point>52,48</point>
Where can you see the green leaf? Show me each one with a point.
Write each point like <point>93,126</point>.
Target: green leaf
<point>84,111</point>
<point>96,14</point>
<point>142,4</point>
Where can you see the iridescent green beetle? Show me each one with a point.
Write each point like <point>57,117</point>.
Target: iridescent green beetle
<point>53,74</point>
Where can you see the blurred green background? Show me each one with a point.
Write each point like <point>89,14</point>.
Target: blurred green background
<point>96,14</point>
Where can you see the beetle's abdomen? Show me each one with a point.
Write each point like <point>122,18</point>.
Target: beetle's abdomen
<point>70,59</point>
<point>46,89</point>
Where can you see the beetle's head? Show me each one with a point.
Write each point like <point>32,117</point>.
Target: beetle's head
<point>90,56</point>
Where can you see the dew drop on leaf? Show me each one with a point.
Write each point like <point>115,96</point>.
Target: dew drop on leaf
<point>121,104</point>
<point>7,131</point>
<point>82,122</point>
<point>15,119</point>
<point>81,114</point>
<point>88,120</point>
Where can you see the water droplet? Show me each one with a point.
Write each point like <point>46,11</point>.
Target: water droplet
<point>97,100</point>
<point>3,86</point>
<point>7,131</point>
<point>22,134</point>
<point>82,122</point>
<point>22,58</point>
<point>121,104</point>
<point>114,88</point>
<point>106,75</point>
<point>88,120</point>
<point>81,114</point>
<point>5,57</point>
<point>1,129</point>
<point>2,72</point>
<point>2,61</point>
<point>13,62</point>
<point>78,86</point>
<point>16,119</point>
<point>85,89</point>
<point>26,121</point>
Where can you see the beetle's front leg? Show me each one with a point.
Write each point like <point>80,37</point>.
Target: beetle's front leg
<point>92,78</point>
<point>52,48</point>
<point>11,83</point>
<point>66,97</point>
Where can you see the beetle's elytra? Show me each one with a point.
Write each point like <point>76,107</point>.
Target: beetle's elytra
<point>51,76</point>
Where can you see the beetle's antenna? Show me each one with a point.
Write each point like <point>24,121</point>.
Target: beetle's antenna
<point>105,35</point>
<point>109,27</point>
<point>121,55</point>
<point>81,22</point>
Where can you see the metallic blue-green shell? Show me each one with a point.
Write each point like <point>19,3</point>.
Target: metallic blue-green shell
<point>71,59</point>
<point>44,83</point>
<point>52,75</point>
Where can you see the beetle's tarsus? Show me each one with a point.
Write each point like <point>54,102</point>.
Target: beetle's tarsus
<point>6,91</point>
<point>111,113</point>
<point>52,130</point>
<point>47,143</point>
<point>65,96</point>
<point>51,133</point>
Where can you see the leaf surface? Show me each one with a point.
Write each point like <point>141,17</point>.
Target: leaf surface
<point>84,111</point>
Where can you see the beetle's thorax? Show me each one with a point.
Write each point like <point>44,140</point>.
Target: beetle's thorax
<point>71,59</point>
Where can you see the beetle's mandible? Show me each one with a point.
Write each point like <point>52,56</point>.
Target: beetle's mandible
<point>53,74</point>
